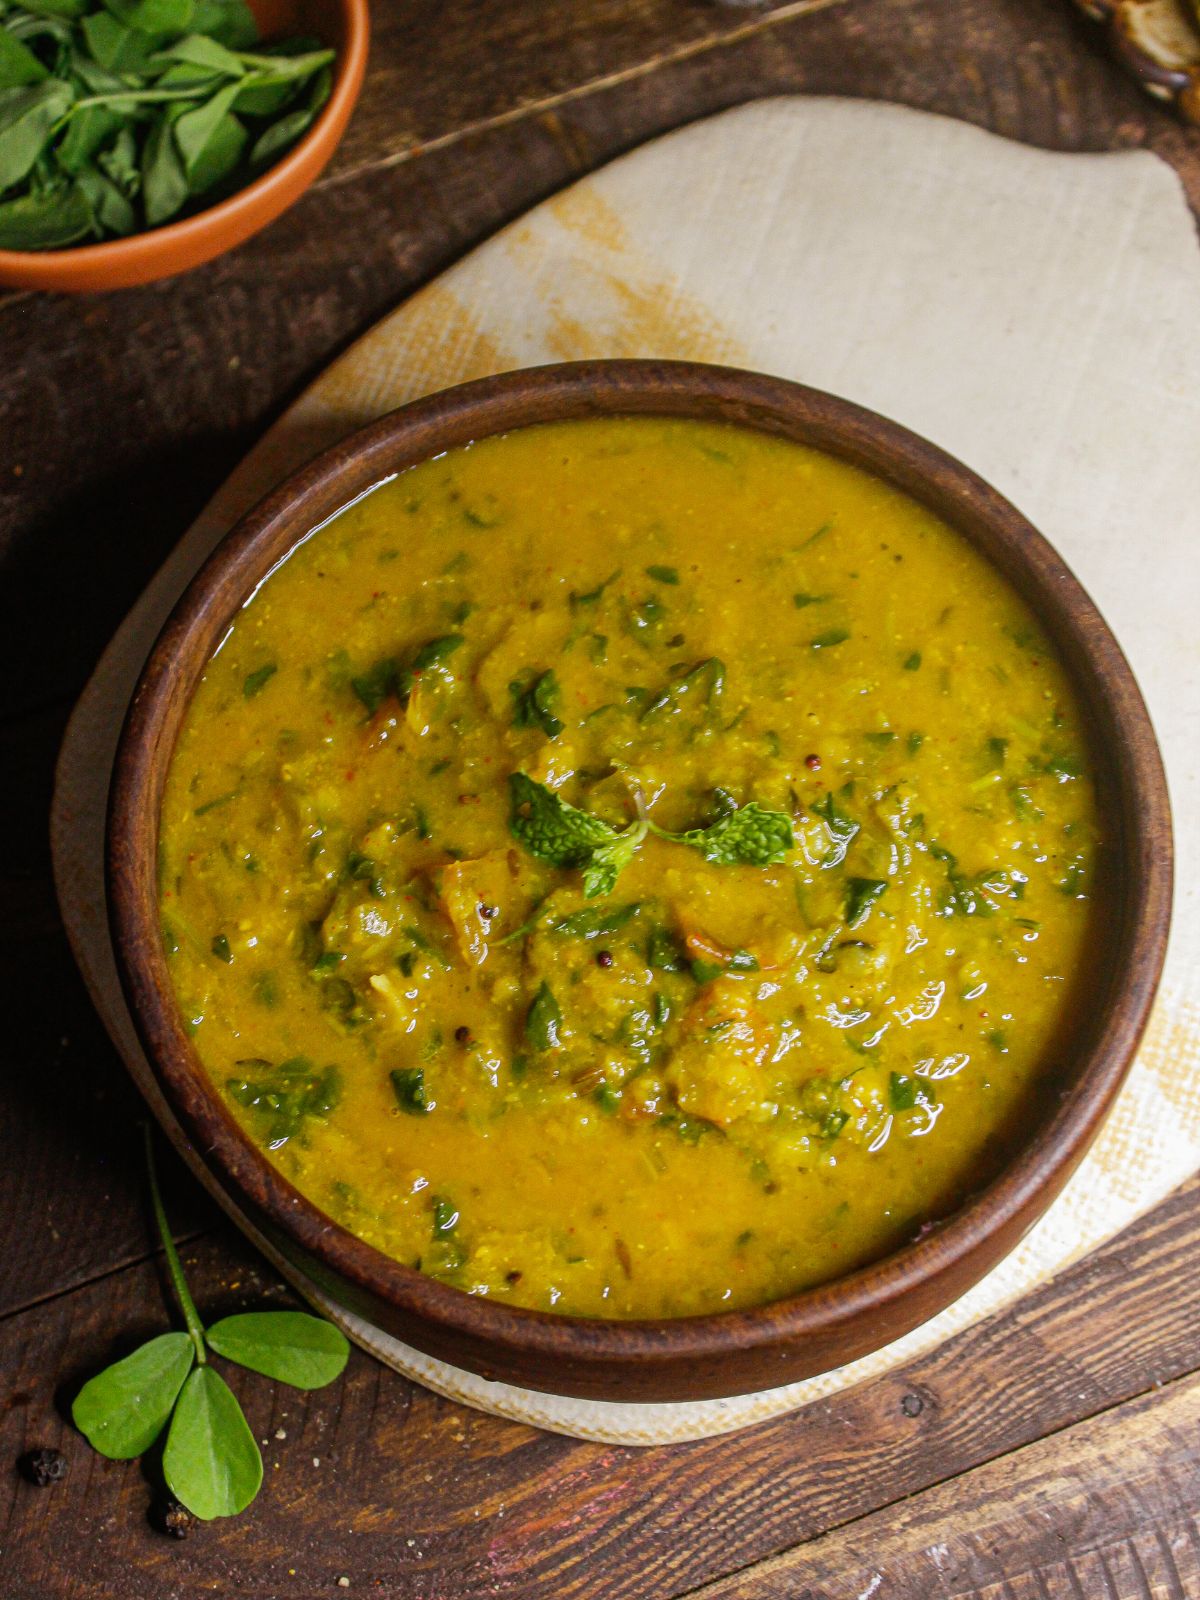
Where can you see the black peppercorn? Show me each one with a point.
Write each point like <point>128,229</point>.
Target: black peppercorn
<point>462,1034</point>
<point>168,1516</point>
<point>604,958</point>
<point>44,1467</point>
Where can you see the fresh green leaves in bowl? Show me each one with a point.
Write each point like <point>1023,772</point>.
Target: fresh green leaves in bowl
<point>210,1458</point>
<point>119,116</point>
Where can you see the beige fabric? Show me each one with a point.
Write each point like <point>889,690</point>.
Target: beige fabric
<point>1036,314</point>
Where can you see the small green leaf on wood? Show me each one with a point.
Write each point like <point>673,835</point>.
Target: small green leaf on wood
<point>211,1461</point>
<point>291,1346</point>
<point>122,1410</point>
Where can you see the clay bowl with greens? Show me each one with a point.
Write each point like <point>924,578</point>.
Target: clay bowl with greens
<point>139,138</point>
<point>650,1356</point>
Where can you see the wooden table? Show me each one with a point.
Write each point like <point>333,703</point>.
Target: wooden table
<point>1052,1452</point>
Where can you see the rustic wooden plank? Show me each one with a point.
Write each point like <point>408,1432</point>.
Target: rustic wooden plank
<point>70,1163</point>
<point>437,71</point>
<point>1110,1507</point>
<point>418,1497</point>
<point>122,414</point>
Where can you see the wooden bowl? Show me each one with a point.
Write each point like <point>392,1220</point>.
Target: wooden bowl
<point>731,1352</point>
<point>178,246</point>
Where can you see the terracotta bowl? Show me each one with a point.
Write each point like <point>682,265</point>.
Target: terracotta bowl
<point>737,1351</point>
<point>178,246</point>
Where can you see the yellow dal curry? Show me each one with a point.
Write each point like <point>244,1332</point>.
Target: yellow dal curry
<point>631,867</point>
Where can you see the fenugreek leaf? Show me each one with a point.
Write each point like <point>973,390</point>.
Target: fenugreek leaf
<point>27,117</point>
<point>211,1461</point>
<point>122,1410</point>
<point>291,1346</point>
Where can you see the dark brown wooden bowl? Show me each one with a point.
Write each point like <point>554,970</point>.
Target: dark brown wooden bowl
<point>731,1352</point>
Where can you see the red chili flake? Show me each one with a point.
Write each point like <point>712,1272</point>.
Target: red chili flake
<point>813,763</point>
<point>350,775</point>
<point>468,799</point>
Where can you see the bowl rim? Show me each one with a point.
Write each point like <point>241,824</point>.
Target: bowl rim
<point>239,213</point>
<point>1005,1207</point>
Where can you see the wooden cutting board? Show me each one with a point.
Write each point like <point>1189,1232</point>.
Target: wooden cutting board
<point>1038,315</point>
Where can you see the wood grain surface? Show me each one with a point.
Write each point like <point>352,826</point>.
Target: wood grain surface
<point>1051,1452</point>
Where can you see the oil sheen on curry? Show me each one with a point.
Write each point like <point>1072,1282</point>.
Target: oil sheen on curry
<point>631,867</point>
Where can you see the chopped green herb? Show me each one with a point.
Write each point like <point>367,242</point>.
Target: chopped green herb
<point>544,1020</point>
<point>665,953</point>
<point>376,684</point>
<point>912,663</point>
<point>828,639</point>
<point>593,596</point>
<point>256,681</point>
<point>437,652</point>
<point>283,1098</point>
<point>902,1091</point>
<point>841,828</point>
<point>362,869</point>
<point>220,948</point>
<point>426,946</point>
<point>534,701</point>
<point>596,922</point>
<point>211,805</point>
<point>643,616</point>
<point>861,895</point>
<point>663,574</point>
<point>826,527</point>
<point>801,601</point>
<point>408,1085</point>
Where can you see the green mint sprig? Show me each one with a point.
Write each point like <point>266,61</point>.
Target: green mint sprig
<point>564,836</point>
<point>211,1461</point>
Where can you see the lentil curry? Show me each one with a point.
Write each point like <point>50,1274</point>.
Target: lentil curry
<point>631,867</point>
